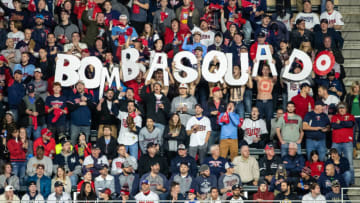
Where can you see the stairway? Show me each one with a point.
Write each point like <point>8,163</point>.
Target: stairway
<point>350,10</point>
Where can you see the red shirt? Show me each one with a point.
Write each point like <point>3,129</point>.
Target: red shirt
<point>343,132</point>
<point>184,15</point>
<point>136,87</point>
<point>17,152</point>
<point>316,167</point>
<point>50,146</point>
<point>302,104</point>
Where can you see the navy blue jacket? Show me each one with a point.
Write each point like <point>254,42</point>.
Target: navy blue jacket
<point>342,167</point>
<point>213,118</point>
<point>293,164</point>
<point>325,182</point>
<point>316,120</point>
<point>175,164</point>
<point>204,184</point>
<point>15,94</point>
<point>39,36</point>
<point>80,115</point>
<point>216,166</point>
<point>72,161</point>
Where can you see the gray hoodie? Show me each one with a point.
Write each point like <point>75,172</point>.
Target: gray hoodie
<point>167,21</point>
<point>189,102</point>
<point>145,137</point>
<point>12,180</point>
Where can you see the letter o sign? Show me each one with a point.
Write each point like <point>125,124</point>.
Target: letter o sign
<point>324,62</point>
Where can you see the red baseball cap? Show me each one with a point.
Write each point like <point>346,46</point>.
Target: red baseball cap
<point>46,131</point>
<point>216,89</point>
<point>269,146</point>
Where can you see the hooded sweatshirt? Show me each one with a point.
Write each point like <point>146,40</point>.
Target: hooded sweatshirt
<point>263,195</point>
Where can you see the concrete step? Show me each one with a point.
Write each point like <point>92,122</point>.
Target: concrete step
<point>352,44</point>
<point>348,2</point>
<point>349,80</point>
<point>353,72</point>
<point>357,172</point>
<point>349,9</point>
<point>352,63</point>
<point>351,18</point>
<point>356,163</point>
<point>351,27</point>
<point>351,54</point>
<point>357,182</point>
<point>351,35</point>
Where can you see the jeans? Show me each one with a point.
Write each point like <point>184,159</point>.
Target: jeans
<point>318,145</point>
<point>202,152</point>
<point>347,178</point>
<point>76,130</point>
<point>248,100</point>
<point>133,149</point>
<point>214,138</point>
<point>161,127</point>
<point>36,133</point>
<point>323,6</point>
<point>19,169</point>
<point>74,179</point>
<point>266,110</point>
<point>285,149</point>
<point>347,150</point>
<point>240,109</point>
<point>247,31</point>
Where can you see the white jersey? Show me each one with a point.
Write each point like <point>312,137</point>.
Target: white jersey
<point>207,38</point>
<point>293,88</point>
<point>330,100</point>
<point>152,197</point>
<point>116,164</point>
<point>198,138</point>
<point>127,137</point>
<point>253,129</point>
<point>311,19</point>
<point>90,161</point>
<point>65,198</point>
<point>334,18</point>
<point>17,37</point>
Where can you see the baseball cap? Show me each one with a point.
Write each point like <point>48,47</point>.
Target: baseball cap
<point>335,183</point>
<point>341,105</point>
<point>30,88</point>
<point>236,186</point>
<point>64,141</point>
<point>46,131</point>
<point>229,165</point>
<point>10,113</point>
<point>269,146</point>
<point>192,190</point>
<point>298,21</point>
<point>37,70</point>
<point>319,102</point>
<point>58,184</point>
<point>85,51</point>
<point>261,34</point>
<point>126,164</point>
<point>39,16</point>
<point>324,20</point>
<point>199,48</point>
<point>183,85</point>
<point>304,85</point>
<point>106,191</point>
<point>150,144</point>
<point>181,146</point>
<point>9,188</point>
<point>203,168</point>
<point>145,182</point>
<point>123,16</point>
<point>215,89</point>
<point>306,170</point>
<point>32,183</point>
<point>308,1</point>
<point>18,72</point>
<point>95,146</point>
<point>103,166</point>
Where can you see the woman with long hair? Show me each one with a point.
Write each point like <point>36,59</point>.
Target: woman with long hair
<point>352,100</point>
<point>316,166</point>
<point>28,144</point>
<point>8,123</point>
<point>87,177</point>
<point>174,135</point>
<point>82,148</point>
<point>306,47</point>
<point>17,150</point>
<point>149,34</point>
<point>8,178</point>
<point>62,177</point>
<point>16,34</point>
<point>87,193</point>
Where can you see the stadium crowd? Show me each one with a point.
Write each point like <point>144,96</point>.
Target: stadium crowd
<point>188,142</point>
